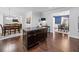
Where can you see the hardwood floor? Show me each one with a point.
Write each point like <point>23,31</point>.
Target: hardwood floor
<point>53,44</point>
<point>11,45</point>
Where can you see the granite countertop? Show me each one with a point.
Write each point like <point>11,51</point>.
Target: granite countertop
<point>33,28</point>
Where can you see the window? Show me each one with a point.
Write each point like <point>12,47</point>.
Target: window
<point>57,19</point>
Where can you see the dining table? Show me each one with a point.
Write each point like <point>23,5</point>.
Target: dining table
<point>10,27</point>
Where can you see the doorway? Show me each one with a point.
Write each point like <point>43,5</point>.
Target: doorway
<point>61,25</point>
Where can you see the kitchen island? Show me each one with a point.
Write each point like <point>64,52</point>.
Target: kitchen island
<point>34,36</point>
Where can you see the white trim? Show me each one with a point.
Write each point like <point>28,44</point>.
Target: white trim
<point>10,36</point>
<point>74,37</point>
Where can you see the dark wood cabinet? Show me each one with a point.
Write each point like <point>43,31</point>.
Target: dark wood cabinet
<point>34,36</point>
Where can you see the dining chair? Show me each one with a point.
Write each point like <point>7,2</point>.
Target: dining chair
<point>2,29</point>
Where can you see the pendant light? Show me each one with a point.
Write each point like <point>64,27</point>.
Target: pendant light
<point>9,16</point>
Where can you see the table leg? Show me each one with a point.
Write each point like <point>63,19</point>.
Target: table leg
<point>14,30</point>
<point>10,31</point>
<point>19,30</point>
<point>63,35</point>
<point>4,32</point>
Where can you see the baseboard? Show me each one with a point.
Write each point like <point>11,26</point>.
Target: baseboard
<point>76,37</point>
<point>10,36</point>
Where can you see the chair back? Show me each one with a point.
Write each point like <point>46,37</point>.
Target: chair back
<point>1,26</point>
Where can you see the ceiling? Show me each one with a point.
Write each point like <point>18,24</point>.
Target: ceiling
<point>21,10</point>
<point>40,9</point>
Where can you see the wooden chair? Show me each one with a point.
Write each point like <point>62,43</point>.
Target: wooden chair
<point>2,29</point>
<point>15,28</point>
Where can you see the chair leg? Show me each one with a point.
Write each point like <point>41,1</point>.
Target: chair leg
<point>19,30</point>
<point>10,31</point>
<point>2,33</point>
<point>14,30</point>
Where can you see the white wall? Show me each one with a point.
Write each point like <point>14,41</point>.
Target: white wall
<point>49,16</point>
<point>73,22</point>
<point>49,20</point>
<point>1,19</point>
<point>35,16</point>
<point>29,14</point>
<point>9,20</point>
<point>73,19</point>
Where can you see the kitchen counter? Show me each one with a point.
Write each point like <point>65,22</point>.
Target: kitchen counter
<point>33,36</point>
<point>33,28</point>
